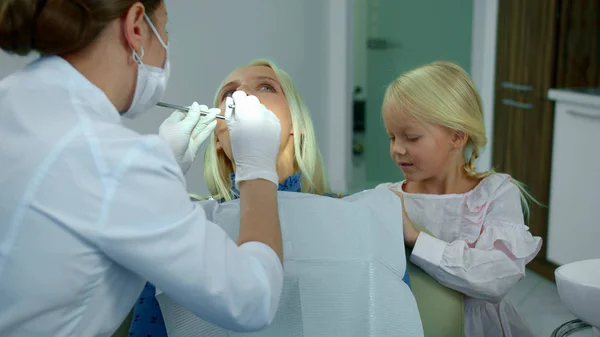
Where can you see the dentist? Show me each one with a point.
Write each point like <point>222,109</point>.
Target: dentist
<point>90,210</point>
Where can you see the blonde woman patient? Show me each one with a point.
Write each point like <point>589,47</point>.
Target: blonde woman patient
<point>299,164</point>
<point>480,243</point>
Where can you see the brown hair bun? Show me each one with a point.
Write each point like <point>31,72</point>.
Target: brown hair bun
<point>58,26</point>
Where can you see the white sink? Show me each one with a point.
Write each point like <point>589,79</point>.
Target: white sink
<point>578,286</point>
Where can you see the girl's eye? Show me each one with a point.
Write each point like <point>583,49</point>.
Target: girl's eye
<point>413,139</point>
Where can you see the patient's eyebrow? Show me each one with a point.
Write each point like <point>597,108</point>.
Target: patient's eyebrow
<point>266,78</point>
<point>229,84</point>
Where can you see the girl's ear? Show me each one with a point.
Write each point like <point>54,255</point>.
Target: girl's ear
<point>459,139</point>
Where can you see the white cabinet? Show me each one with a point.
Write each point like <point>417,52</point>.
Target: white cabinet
<point>574,210</point>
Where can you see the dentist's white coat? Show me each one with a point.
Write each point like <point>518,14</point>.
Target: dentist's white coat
<point>90,210</point>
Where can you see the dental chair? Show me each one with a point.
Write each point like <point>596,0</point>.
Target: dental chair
<point>123,330</point>
<point>441,308</point>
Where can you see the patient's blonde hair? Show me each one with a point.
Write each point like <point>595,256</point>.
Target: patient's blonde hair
<point>442,93</point>
<point>307,157</point>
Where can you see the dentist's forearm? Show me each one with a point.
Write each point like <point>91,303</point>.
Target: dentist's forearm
<point>259,216</point>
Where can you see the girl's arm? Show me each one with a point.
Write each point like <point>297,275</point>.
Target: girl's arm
<point>488,265</point>
<point>410,231</point>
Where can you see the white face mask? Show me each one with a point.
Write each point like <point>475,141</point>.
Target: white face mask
<point>151,81</point>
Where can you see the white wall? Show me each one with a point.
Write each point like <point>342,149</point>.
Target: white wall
<point>10,63</point>
<point>483,67</point>
<point>337,132</point>
<point>311,40</point>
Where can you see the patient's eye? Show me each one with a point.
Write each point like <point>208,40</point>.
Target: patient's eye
<point>412,138</point>
<point>267,87</point>
<point>228,93</point>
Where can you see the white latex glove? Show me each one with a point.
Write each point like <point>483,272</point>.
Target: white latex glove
<point>186,132</point>
<point>255,136</point>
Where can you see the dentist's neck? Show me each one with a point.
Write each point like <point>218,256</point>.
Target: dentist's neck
<point>107,69</point>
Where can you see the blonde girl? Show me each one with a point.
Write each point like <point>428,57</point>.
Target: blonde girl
<point>479,244</point>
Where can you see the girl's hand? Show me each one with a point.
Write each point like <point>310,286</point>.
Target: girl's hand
<point>410,232</point>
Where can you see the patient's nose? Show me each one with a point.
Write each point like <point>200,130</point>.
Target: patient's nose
<point>245,88</point>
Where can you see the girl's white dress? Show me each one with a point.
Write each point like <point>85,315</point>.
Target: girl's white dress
<point>480,248</point>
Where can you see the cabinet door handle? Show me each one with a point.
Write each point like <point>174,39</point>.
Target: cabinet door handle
<point>584,115</point>
<point>518,87</point>
<point>517,104</point>
<point>381,44</point>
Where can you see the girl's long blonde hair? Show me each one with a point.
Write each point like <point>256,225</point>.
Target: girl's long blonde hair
<point>307,157</point>
<point>442,93</point>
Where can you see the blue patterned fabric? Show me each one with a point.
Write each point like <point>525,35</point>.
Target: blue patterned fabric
<point>147,318</point>
<point>291,184</point>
